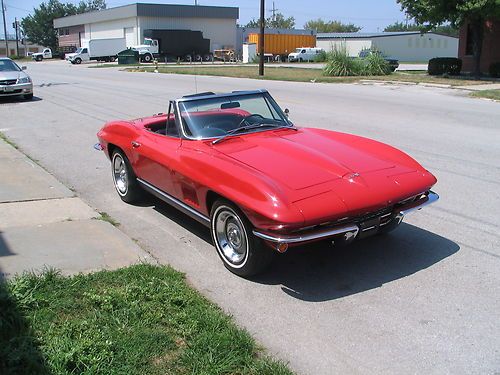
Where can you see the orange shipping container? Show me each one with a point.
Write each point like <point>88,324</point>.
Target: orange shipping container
<point>283,44</point>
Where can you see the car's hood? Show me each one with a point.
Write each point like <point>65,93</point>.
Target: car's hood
<point>301,159</point>
<point>327,172</point>
<point>11,75</point>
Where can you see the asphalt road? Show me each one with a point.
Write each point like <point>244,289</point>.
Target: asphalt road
<point>424,299</point>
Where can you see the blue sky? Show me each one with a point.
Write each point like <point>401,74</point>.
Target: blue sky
<point>370,14</point>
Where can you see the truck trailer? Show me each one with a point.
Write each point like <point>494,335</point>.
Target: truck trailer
<point>172,45</point>
<point>281,45</point>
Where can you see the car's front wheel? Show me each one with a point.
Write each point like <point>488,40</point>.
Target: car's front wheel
<point>242,252</point>
<point>78,60</point>
<point>124,178</point>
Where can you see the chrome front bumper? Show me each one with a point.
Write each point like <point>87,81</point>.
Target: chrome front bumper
<point>349,232</point>
<point>16,89</point>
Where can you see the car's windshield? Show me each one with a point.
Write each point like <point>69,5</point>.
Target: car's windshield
<point>216,117</point>
<point>8,66</point>
<point>79,50</point>
<point>298,50</point>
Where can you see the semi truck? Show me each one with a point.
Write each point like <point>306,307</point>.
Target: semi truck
<point>99,50</point>
<point>172,45</point>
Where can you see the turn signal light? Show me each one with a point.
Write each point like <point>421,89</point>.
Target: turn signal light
<point>282,247</point>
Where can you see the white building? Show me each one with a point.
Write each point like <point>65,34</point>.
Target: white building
<point>131,21</point>
<point>404,46</point>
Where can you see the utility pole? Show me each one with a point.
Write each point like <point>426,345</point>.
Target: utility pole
<point>261,37</point>
<point>16,26</point>
<point>5,31</point>
<point>274,10</point>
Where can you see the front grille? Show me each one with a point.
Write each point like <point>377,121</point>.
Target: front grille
<point>366,222</point>
<point>8,82</point>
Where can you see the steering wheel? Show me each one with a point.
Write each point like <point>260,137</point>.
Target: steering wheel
<point>245,119</point>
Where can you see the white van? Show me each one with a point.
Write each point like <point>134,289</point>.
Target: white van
<point>304,54</point>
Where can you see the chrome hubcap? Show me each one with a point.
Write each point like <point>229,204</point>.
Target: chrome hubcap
<point>230,236</point>
<point>120,174</point>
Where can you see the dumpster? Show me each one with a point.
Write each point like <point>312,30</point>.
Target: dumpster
<point>128,56</point>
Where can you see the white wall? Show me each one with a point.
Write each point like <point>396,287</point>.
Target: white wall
<point>220,31</point>
<point>353,46</point>
<point>419,47</point>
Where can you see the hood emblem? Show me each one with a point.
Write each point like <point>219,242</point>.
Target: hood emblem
<point>351,177</point>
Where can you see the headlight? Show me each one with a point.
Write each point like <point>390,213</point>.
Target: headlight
<point>24,80</point>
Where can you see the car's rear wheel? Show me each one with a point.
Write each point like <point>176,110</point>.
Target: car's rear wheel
<point>241,252</point>
<point>124,178</point>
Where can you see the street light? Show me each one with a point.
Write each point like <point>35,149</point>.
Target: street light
<point>261,38</point>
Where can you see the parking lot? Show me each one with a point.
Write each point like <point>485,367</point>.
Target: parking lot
<point>425,299</point>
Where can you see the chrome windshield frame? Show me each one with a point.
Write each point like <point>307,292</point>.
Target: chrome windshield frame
<point>182,125</point>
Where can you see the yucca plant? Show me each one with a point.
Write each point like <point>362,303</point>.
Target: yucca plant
<point>340,64</point>
<point>374,64</point>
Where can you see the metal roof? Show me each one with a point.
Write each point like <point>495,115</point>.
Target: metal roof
<point>148,10</point>
<point>369,35</point>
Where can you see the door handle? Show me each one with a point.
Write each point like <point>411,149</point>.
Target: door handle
<point>135,144</point>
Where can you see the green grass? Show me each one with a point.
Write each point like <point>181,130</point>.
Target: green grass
<point>4,138</point>
<point>303,75</point>
<point>488,94</point>
<point>142,319</point>
<point>106,217</point>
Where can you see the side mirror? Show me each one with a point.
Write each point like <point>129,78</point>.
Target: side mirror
<point>24,67</point>
<point>287,112</point>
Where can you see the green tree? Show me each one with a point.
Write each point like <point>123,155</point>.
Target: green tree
<point>322,26</point>
<point>442,29</point>
<point>457,12</point>
<point>279,21</point>
<point>39,26</point>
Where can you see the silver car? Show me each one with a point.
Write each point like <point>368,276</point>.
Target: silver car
<point>13,81</point>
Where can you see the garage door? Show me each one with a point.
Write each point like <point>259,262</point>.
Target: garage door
<point>129,36</point>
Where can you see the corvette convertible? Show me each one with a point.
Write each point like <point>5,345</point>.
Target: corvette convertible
<point>236,163</point>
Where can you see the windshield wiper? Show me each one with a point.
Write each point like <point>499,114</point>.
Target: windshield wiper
<point>249,127</point>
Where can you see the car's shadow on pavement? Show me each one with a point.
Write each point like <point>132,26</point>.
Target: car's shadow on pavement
<point>18,100</point>
<point>321,272</point>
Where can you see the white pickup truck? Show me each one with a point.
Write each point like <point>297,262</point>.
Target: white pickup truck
<point>45,54</point>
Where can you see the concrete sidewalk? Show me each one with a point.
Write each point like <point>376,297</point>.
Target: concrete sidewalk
<point>43,224</point>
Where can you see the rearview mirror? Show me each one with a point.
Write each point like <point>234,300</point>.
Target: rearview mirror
<point>24,67</point>
<point>230,105</point>
<point>287,112</point>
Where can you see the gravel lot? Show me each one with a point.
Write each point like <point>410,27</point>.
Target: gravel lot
<point>424,299</point>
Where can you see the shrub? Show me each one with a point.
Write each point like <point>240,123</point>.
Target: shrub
<point>321,57</point>
<point>374,64</point>
<point>340,64</point>
<point>495,70</point>
<point>444,65</point>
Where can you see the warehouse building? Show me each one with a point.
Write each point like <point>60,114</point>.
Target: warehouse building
<point>404,46</point>
<point>134,21</point>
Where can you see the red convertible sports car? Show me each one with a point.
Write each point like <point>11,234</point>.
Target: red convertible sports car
<point>236,163</point>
